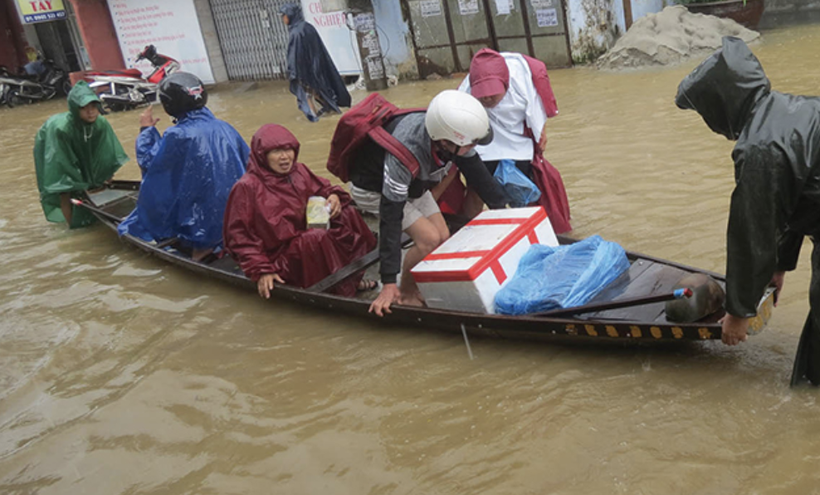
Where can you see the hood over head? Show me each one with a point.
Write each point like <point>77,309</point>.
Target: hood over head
<point>725,87</point>
<point>294,13</point>
<point>270,137</point>
<point>80,96</point>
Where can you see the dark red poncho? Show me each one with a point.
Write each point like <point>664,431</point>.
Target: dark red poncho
<point>265,227</point>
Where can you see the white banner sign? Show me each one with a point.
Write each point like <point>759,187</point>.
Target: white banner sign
<point>170,25</point>
<point>546,17</point>
<point>338,39</point>
<point>467,7</point>
<point>430,8</point>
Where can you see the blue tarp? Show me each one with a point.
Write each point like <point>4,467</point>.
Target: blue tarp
<point>550,278</point>
<point>187,175</point>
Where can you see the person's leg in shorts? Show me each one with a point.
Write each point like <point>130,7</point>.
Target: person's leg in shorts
<point>425,224</point>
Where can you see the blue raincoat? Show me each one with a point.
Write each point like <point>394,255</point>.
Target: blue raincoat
<point>187,175</point>
<point>310,67</point>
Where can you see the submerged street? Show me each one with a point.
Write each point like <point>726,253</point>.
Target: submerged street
<point>121,374</point>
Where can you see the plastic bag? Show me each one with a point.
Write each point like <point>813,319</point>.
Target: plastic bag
<point>561,277</point>
<point>318,213</point>
<point>519,188</point>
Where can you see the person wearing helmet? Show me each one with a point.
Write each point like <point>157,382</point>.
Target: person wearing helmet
<point>443,136</point>
<point>516,91</point>
<point>73,152</point>
<point>188,172</point>
<point>776,199</point>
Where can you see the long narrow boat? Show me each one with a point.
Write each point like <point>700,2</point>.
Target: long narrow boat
<point>647,277</point>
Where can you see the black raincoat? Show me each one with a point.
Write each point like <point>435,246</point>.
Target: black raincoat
<point>310,67</point>
<point>776,201</point>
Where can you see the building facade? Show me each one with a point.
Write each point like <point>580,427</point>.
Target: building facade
<point>221,40</point>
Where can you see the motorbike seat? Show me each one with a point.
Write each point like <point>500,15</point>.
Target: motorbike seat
<point>116,72</point>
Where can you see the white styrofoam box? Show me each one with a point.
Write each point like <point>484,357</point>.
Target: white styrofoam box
<point>467,270</point>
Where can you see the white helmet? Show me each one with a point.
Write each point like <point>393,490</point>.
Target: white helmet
<point>458,117</point>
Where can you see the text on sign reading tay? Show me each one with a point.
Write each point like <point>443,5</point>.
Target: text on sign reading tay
<point>38,6</point>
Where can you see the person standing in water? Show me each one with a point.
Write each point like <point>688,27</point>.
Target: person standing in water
<point>776,200</point>
<point>312,73</point>
<point>73,152</point>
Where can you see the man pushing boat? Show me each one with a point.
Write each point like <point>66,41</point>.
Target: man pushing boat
<point>776,200</point>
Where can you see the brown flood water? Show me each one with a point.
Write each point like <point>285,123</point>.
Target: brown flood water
<point>121,375</point>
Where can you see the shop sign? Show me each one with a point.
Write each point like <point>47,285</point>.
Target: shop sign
<point>41,10</point>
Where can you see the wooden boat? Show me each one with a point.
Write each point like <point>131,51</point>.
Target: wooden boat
<point>647,276</point>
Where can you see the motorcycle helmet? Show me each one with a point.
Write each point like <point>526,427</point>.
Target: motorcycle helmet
<point>182,92</point>
<point>459,118</point>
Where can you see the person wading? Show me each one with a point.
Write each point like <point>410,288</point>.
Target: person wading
<point>776,200</point>
<point>312,73</point>
<point>74,152</point>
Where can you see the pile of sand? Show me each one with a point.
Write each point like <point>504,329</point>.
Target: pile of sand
<point>670,37</point>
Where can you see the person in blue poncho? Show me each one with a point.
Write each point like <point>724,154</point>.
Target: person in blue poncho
<point>311,71</point>
<point>187,174</point>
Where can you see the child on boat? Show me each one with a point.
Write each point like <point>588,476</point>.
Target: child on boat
<point>73,152</point>
<point>188,173</point>
<point>516,91</point>
<point>265,221</point>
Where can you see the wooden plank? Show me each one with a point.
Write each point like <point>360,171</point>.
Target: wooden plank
<point>617,288</point>
<point>655,279</point>
<point>356,266</point>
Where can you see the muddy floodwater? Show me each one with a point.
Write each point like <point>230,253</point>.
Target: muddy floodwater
<point>122,375</point>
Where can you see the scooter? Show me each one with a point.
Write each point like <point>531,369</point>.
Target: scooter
<point>126,89</point>
<point>38,80</point>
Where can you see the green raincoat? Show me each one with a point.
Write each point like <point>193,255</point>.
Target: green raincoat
<point>71,156</point>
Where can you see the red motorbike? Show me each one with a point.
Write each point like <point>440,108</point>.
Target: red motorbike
<point>125,89</point>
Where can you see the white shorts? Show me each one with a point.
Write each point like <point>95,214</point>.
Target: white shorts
<point>414,209</point>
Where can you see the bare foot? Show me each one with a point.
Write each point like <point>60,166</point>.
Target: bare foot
<point>416,300</point>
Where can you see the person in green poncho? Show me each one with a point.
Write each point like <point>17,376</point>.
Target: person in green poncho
<point>73,152</point>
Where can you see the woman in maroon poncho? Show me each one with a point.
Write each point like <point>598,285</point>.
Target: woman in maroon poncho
<point>265,225</point>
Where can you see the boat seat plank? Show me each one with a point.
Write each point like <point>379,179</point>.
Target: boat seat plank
<point>225,264</point>
<point>653,279</point>
<point>618,287</point>
<point>122,207</point>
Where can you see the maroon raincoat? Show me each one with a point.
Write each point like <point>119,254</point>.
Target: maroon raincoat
<point>265,227</point>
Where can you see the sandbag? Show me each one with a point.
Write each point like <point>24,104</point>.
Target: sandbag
<point>566,276</point>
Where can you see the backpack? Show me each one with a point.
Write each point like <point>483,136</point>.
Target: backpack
<point>365,120</point>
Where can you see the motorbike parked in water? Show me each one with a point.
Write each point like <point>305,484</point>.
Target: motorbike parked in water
<point>126,88</point>
<point>38,80</point>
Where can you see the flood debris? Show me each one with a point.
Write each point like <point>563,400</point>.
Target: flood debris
<point>672,36</point>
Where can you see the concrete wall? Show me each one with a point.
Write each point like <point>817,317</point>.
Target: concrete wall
<point>642,7</point>
<point>594,26</point>
<point>211,38</point>
<point>395,40</point>
<point>12,38</point>
<point>99,36</point>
